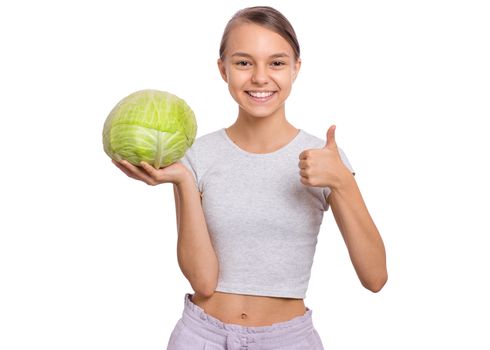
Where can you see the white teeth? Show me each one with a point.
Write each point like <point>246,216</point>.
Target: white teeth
<point>260,94</point>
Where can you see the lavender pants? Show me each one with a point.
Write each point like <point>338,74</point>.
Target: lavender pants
<point>197,330</point>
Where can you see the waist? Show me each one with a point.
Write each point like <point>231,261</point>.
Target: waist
<point>249,310</point>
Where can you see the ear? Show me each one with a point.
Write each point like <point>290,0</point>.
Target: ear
<point>297,66</point>
<point>222,70</point>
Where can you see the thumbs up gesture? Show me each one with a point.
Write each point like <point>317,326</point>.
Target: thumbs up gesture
<point>323,167</point>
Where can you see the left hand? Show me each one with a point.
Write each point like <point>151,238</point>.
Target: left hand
<point>323,167</point>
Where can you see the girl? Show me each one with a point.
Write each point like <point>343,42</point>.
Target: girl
<point>250,200</point>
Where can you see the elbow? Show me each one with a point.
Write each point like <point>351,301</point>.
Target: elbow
<point>208,293</point>
<point>205,286</point>
<point>376,284</point>
<point>206,290</point>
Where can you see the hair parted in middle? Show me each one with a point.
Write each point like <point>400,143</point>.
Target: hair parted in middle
<point>267,17</point>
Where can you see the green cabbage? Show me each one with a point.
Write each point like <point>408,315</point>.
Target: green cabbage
<point>149,125</point>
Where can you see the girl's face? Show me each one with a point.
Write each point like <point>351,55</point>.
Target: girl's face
<point>260,68</point>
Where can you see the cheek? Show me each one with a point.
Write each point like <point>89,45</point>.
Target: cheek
<point>236,79</point>
<point>235,86</point>
<point>286,85</point>
<point>284,80</point>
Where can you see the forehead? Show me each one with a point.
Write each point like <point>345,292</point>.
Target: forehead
<point>256,41</point>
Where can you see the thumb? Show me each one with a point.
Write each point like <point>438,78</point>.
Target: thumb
<point>331,138</point>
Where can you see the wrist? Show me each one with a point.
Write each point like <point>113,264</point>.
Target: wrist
<point>185,181</point>
<point>345,181</point>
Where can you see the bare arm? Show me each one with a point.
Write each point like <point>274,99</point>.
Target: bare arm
<point>195,252</point>
<point>364,243</point>
<point>324,167</point>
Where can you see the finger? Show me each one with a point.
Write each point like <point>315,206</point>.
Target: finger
<point>331,143</point>
<point>124,170</point>
<point>302,164</point>
<point>155,175</point>
<point>137,172</point>
<point>149,169</point>
<point>303,155</point>
<point>304,181</point>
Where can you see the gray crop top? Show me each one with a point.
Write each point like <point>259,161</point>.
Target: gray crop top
<point>263,222</point>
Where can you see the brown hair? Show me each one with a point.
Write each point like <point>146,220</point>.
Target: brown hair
<point>267,17</point>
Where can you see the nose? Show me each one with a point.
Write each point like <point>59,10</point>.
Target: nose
<point>259,75</point>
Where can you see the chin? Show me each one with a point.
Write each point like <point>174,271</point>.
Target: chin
<point>259,114</point>
<point>259,111</point>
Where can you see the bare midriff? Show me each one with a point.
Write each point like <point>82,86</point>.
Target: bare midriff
<point>249,310</point>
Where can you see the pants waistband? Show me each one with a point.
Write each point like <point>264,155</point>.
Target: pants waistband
<point>194,316</point>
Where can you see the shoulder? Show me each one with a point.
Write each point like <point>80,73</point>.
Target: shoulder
<point>205,141</point>
<point>310,140</point>
<point>314,141</point>
<point>208,139</point>
<point>206,147</point>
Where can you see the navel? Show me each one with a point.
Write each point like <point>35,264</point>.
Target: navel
<point>244,316</point>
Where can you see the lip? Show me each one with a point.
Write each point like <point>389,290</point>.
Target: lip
<point>260,99</point>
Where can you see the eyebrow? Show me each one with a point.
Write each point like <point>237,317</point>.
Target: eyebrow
<point>244,54</point>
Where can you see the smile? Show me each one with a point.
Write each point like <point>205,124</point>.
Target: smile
<point>260,96</point>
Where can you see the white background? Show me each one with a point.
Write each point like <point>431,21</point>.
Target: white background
<point>88,255</point>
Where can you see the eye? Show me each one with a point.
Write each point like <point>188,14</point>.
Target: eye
<point>278,63</point>
<point>242,63</point>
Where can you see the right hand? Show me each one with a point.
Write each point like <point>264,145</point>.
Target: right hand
<point>175,172</point>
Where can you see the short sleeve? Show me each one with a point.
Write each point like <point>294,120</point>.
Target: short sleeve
<point>346,162</point>
<point>189,161</point>
<point>326,190</point>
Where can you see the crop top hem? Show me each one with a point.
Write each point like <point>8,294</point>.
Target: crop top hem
<point>250,290</point>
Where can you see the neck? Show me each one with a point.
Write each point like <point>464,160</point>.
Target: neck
<point>261,133</point>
